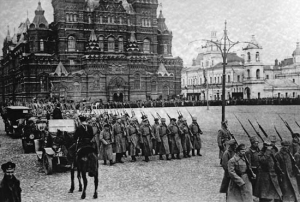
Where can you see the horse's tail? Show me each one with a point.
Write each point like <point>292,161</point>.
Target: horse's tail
<point>92,164</point>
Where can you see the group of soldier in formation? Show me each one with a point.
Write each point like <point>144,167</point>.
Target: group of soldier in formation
<point>264,174</point>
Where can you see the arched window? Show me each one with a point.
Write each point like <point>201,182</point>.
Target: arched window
<point>153,86</point>
<point>146,46</point>
<point>248,73</point>
<point>90,19</point>
<point>228,79</point>
<point>257,74</point>
<point>249,56</point>
<point>112,20</point>
<point>67,18</point>
<point>42,25</point>
<point>71,43</point>
<point>238,78</point>
<point>111,44</point>
<point>71,18</point>
<point>43,83</point>
<point>121,44</point>
<point>165,48</point>
<point>218,79</point>
<point>121,20</point>
<point>257,57</point>
<point>101,43</point>
<point>41,45</point>
<point>137,81</point>
<point>128,22</point>
<point>101,19</point>
<point>75,18</point>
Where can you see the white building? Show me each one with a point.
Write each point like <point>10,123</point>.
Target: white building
<point>247,77</point>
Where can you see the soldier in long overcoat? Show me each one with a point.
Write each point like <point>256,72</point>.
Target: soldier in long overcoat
<point>106,140</point>
<point>228,154</point>
<point>10,190</point>
<point>133,134</point>
<point>185,138</point>
<point>156,142</point>
<point>240,187</point>
<point>174,139</point>
<point>196,139</point>
<point>288,184</point>
<point>267,185</point>
<point>295,146</point>
<point>146,139</point>
<point>223,137</point>
<point>119,137</point>
<point>163,134</point>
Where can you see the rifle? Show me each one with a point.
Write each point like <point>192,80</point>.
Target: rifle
<point>242,126</point>
<point>261,128</point>
<point>278,134</point>
<point>200,131</point>
<point>152,115</point>
<point>257,133</point>
<point>294,164</point>
<point>287,125</point>
<point>158,115</point>
<point>168,115</point>
<point>250,172</point>
<point>179,113</point>
<point>297,123</point>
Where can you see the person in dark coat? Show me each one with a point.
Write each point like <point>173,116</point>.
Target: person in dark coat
<point>267,186</point>
<point>295,146</point>
<point>106,140</point>
<point>223,138</point>
<point>273,140</point>
<point>289,186</point>
<point>57,112</point>
<point>196,139</point>
<point>163,134</point>
<point>10,190</point>
<point>228,154</point>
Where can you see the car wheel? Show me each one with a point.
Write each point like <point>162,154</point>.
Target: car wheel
<point>47,164</point>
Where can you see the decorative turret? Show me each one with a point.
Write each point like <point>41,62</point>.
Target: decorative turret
<point>253,51</point>
<point>8,38</point>
<point>161,24</point>
<point>164,37</point>
<point>39,20</point>
<point>296,54</point>
<point>132,44</point>
<point>93,42</point>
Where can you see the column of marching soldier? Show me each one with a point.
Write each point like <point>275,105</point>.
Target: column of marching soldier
<point>260,174</point>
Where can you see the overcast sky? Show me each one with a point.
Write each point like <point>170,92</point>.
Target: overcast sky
<point>275,23</point>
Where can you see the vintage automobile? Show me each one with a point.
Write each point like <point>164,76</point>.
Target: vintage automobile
<point>33,129</point>
<point>53,145</point>
<point>15,117</point>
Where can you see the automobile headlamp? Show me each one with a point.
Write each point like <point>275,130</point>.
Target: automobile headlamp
<point>31,136</point>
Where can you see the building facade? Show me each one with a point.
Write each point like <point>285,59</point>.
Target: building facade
<point>247,77</point>
<point>110,50</point>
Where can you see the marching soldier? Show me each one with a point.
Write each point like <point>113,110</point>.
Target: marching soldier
<point>273,141</point>
<point>133,133</point>
<point>146,139</point>
<point>156,141</point>
<point>119,137</point>
<point>228,154</point>
<point>163,134</point>
<point>252,155</point>
<point>267,186</point>
<point>295,146</point>
<point>289,186</point>
<point>106,150</point>
<point>57,112</point>
<point>223,138</point>
<point>196,139</point>
<point>185,139</point>
<point>174,139</point>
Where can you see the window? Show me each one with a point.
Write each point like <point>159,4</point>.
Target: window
<point>41,45</point>
<point>112,20</point>
<point>286,94</point>
<point>43,83</point>
<point>207,63</point>
<point>137,81</point>
<point>75,18</point>
<point>278,95</point>
<point>153,86</point>
<point>111,44</point>
<point>67,18</point>
<point>165,48</point>
<point>257,57</point>
<point>90,20</point>
<point>257,74</point>
<point>146,46</point>
<point>71,43</point>
<point>210,79</point>
<point>128,22</point>
<point>121,44</point>
<point>238,78</point>
<point>216,80</point>
<point>248,73</point>
<point>293,94</point>
<point>101,43</point>
<point>293,80</point>
<point>228,79</point>
<point>121,20</point>
<point>249,56</point>
<point>101,19</point>
<point>200,80</point>
<point>212,63</point>
<point>258,95</point>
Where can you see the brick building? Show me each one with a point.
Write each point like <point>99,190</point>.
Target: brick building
<point>109,49</point>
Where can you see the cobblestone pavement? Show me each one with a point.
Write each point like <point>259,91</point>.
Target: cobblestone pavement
<point>193,179</point>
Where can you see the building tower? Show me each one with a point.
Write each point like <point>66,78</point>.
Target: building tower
<point>296,54</point>
<point>164,37</point>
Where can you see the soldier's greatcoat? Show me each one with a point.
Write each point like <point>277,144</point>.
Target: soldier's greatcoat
<point>164,147</point>
<point>240,187</point>
<point>267,184</point>
<point>132,133</point>
<point>174,139</point>
<point>223,137</point>
<point>295,146</point>
<point>119,137</point>
<point>196,139</point>
<point>146,139</point>
<point>106,140</point>
<point>185,138</point>
<point>228,154</point>
<point>10,190</point>
<point>289,186</point>
<point>252,155</point>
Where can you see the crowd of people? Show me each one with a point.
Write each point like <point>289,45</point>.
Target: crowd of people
<point>264,174</point>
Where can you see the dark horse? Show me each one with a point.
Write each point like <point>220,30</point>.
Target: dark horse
<point>84,158</point>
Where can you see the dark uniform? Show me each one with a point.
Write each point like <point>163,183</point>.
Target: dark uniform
<point>223,138</point>
<point>174,139</point>
<point>196,139</point>
<point>185,139</point>
<point>163,134</point>
<point>146,139</point>
<point>57,113</point>
<point>156,141</point>
<point>120,142</point>
<point>133,139</point>
<point>106,140</point>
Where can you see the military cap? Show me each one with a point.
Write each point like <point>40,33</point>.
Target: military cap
<point>272,138</point>
<point>118,117</point>
<point>183,119</point>
<point>267,143</point>
<point>106,125</point>
<point>254,139</point>
<point>145,120</point>
<point>285,143</point>
<point>8,166</point>
<point>231,142</point>
<point>82,118</point>
<point>295,135</point>
<point>163,119</point>
<point>240,147</point>
<point>194,118</point>
<point>173,119</point>
<point>156,119</point>
<point>180,116</point>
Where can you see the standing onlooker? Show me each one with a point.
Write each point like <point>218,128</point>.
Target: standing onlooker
<point>223,137</point>
<point>10,190</point>
<point>57,112</point>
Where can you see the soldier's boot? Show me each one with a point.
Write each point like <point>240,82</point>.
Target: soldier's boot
<point>168,157</point>
<point>173,156</point>
<point>125,155</point>
<point>178,156</point>
<point>104,162</point>
<point>120,159</point>
<point>147,158</point>
<point>161,157</point>
<point>188,154</point>
<point>198,152</point>
<point>111,162</point>
<point>193,152</point>
<point>133,159</point>
<point>184,154</point>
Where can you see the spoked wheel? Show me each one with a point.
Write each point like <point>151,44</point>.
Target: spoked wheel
<point>47,164</point>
